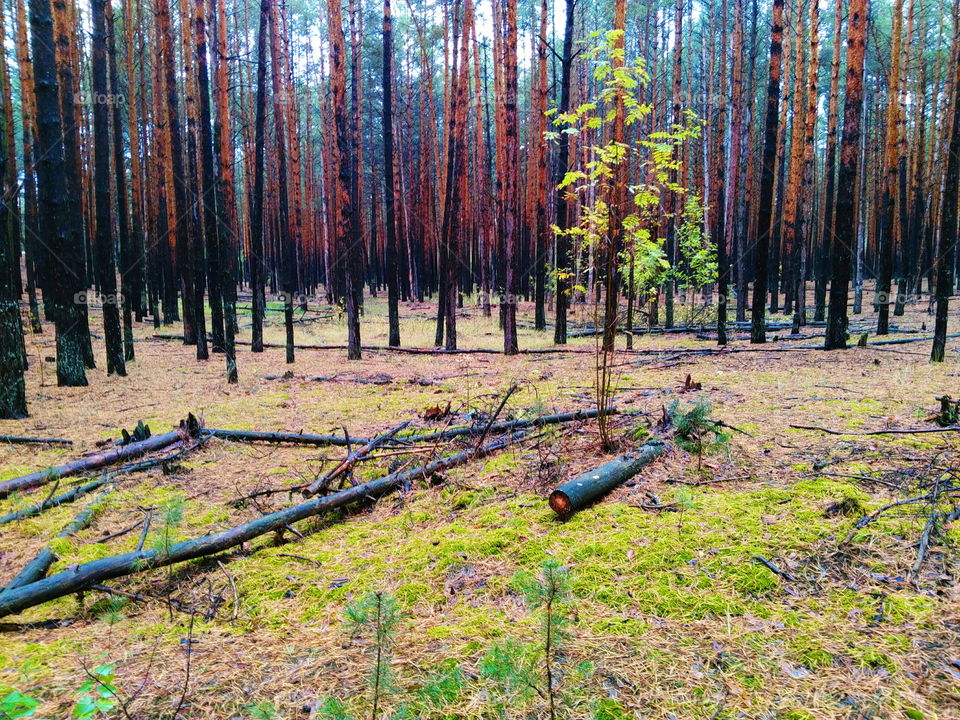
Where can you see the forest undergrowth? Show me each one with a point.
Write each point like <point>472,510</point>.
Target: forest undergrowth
<point>751,573</point>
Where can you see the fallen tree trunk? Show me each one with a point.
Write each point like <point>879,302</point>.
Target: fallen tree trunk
<point>280,437</point>
<point>37,568</point>
<point>509,425</point>
<point>82,490</point>
<point>583,490</point>
<point>98,460</point>
<point>891,431</point>
<point>351,459</point>
<point>66,497</point>
<point>96,572</point>
<point>16,440</point>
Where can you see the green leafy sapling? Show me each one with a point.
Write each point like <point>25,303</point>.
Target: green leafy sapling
<point>376,616</point>
<point>15,705</point>
<point>98,695</point>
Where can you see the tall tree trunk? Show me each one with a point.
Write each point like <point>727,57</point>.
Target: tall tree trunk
<point>127,266</point>
<point>673,201</point>
<point>511,225</point>
<point>287,244</point>
<point>227,205</point>
<point>13,355</point>
<point>562,261</point>
<point>803,219</point>
<point>887,236</point>
<point>948,220</point>
<point>617,192</point>
<point>211,201</point>
<point>845,225</point>
<point>347,244</point>
<point>181,208</point>
<point>539,172</point>
<point>257,223</point>
<point>393,277</point>
<point>765,209</point>
<point>106,269</point>
<point>76,261</point>
<point>64,274</point>
<point>721,199</point>
<point>32,250</point>
<point>829,172</point>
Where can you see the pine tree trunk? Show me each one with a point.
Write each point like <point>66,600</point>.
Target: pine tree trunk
<point>106,269</point>
<point>830,173</point>
<point>180,206</point>
<point>887,237</point>
<point>845,225</point>
<point>765,209</point>
<point>257,222</point>
<point>393,277</point>
<point>347,244</point>
<point>511,223</point>
<point>948,221</point>
<point>211,201</point>
<point>64,274</point>
<point>13,356</point>
<point>562,261</point>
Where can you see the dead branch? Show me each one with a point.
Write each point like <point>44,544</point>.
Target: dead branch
<point>351,460</point>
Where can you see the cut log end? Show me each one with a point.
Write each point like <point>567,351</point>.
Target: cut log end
<point>560,503</point>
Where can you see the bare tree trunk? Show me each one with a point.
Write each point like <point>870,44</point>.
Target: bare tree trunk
<point>845,229</point>
<point>765,210</point>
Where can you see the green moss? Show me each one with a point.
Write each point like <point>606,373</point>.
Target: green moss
<point>866,656</point>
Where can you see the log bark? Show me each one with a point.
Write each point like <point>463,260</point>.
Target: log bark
<point>61,499</point>
<point>38,567</point>
<point>88,574</point>
<point>17,440</point>
<point>279,437</point>
<point>95,461</point>
<point>583,490</point>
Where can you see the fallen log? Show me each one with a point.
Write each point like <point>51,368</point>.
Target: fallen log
<point>351,460</point>
<point>37,568</point>
<point>82,490</point>
<point>278,437</point>
<point>891,431</point>
<point>66,497</point>
<point>16,440</point>
<point>86,575</point>
<point>509,425</point>
<point>583,490</point>
<point>188,428</point>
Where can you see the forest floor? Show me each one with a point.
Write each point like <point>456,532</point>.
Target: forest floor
<point>671,616</point>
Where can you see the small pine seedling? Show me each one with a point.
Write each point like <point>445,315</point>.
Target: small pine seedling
<point>693,426</point>
<point>549,593</point>
<point>376,616</point>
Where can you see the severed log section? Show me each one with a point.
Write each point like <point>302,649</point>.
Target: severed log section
<point>324,482</point>
<point>281,437</point>
<point>17,440</point>
<point>37,568</point>
<point>583,490</point>
<point>188,428</point>
<point>86,575</point>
